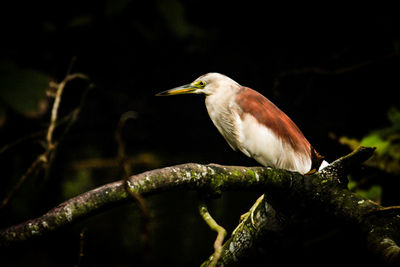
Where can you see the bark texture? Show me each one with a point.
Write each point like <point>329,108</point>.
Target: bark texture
<point>326,190</point>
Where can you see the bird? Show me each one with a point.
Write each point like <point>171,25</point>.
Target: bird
<point>252,124</point>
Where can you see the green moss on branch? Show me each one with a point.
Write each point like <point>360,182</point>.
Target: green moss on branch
<point>324,190</point>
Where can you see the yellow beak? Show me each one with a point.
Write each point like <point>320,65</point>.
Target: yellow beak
<point>184,89</point>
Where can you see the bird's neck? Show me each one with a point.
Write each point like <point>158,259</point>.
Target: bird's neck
<point>220,108</point>
<point>219,104</point>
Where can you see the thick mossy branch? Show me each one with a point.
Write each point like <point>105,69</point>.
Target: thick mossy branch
<point>266,224</point>
<point>206,178</point>
<point>324,189</point>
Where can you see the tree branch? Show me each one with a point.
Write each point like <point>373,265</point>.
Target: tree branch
<point>319,190</point>
<point>326,191</point>
<point>190,176</point>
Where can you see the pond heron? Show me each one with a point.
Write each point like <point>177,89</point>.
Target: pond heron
<point>253,125</point>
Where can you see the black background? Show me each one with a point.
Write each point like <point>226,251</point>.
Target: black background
<point>333,70</point>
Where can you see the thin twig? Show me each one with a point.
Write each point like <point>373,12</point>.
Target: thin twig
<point>385,210</point>
<point>82,235</point>
<point>54,112</point>
<point>74,114</point>
<point>144,216</point>
<point>45,159</point>
<point>56,104</point>
<point>34,166</point>
<point>21,139</point>
<point>51,147</point>
<point>125,165</point>
<point>71,64</point>
<point>121,157</point>
<point>70,116</point>
<point>205,214</point>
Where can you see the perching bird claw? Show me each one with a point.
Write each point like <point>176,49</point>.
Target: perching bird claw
<point>250,213</point>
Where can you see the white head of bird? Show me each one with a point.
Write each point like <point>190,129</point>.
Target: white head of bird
<point>251,123</point>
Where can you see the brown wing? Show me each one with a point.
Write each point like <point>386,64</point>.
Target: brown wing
<point>272,117</point>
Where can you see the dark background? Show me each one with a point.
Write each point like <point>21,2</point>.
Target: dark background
<point>334,72</point>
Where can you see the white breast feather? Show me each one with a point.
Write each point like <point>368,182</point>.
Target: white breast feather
<point>260,143</point>
<point>246,134</point>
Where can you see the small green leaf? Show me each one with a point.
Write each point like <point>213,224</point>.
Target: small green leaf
<point>375,140</point>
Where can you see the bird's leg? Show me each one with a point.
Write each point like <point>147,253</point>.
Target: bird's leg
<point>250,213</point>
<point>252,210</point>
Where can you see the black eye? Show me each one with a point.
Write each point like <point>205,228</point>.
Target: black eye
<point>202,84</point>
